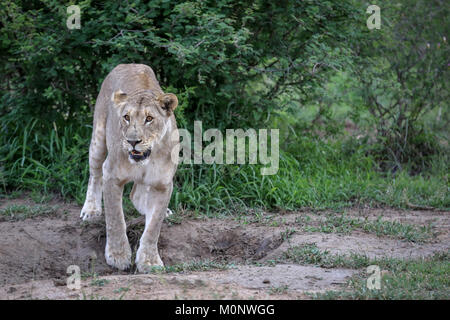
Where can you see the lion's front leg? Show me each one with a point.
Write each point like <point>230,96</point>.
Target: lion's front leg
<point>156,201</point>
<point>92,207</point>
<point>117,251</point>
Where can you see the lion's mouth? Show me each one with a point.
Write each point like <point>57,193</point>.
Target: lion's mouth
<point>138,155</point>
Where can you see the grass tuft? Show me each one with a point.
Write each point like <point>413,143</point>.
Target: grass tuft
<point>205,265</point>
<point>419,279</point>
<point>21,212</point>
<point>334,223</point>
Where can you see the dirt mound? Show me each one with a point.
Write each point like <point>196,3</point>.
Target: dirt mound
<point>43,247</point>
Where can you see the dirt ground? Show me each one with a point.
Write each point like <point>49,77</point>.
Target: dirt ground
<point>35,254</point>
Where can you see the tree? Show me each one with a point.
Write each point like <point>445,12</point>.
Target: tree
<point>403,72</point>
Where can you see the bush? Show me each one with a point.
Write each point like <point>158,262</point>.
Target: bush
<point>234,58</point>
<point>402,75</point>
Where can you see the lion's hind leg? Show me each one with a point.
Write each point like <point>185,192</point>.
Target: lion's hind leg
<point>141,201</point>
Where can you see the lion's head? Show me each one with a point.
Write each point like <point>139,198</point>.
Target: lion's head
<point>143,118</point>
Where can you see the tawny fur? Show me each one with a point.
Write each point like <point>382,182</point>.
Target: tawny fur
<point>131,89</point>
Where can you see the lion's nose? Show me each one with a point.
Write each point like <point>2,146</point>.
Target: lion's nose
<point>134,142</point>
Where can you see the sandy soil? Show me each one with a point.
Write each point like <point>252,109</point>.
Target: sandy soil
<point>35,254</point>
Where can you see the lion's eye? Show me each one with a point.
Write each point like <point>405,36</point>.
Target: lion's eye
<point>127,117</point>
<point>148,119</point>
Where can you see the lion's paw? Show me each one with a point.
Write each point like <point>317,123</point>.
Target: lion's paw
<point>119,257</point>
<point>146,260</point>
<point>90,212</point>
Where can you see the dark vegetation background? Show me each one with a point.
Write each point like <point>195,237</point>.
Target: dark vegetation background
<point>363,114</point>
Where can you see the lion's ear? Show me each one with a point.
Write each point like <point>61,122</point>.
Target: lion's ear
<point>168,101</point>
<point>119,97</point>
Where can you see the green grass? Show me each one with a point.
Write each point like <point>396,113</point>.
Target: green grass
<point>320,176</point>
<point>310,254</point>
<point>278,290</point>
<point>94,296</point>
<point>191,266</point>
<point>238,188</point>
<point>21,212</point>
<point>99,282</point>
<point>418,279</point>
<point>313,173</point>
<point>335,223</point>
<point>423,278</point>
<point>122,290</point>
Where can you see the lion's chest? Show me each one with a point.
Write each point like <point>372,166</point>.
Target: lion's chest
<point>148,173</point>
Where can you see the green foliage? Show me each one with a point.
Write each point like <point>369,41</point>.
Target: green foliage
<point>418,279</point>
<point>232,64</point>
<point>55,161</point>
<point>402,75</point>
<point>233,57</point>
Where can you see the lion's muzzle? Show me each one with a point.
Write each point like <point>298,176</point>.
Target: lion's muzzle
<point>138,155</point>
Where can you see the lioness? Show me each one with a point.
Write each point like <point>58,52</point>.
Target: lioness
<point>135,129</point>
